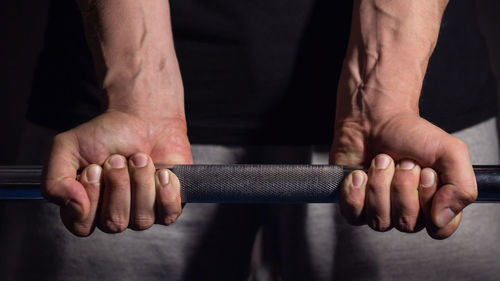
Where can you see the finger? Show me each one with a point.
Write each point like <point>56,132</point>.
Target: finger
<point>405,205</point>
<point>428,186</point>
<point>352,197</point>
<point>115,210</point>
<point>142,184</point>
<point>427,189</point>
<point>458,184</point>
<point>90,178</point>
<point>60,185</point>
<point>168,199</point>
<point>377,198</point>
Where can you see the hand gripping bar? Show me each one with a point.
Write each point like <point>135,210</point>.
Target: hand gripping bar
<point>242,183</point>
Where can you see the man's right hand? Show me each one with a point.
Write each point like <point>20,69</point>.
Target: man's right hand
<point>118,186</point>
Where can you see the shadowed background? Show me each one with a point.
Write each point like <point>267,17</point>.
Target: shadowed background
<point>22,25</point>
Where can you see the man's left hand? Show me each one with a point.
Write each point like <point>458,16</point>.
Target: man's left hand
<point>419,176</point>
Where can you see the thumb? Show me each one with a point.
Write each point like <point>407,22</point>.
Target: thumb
<point>458,187</point>
<point>60,185</point>
<point>348,150</point>
<point>172,149</point>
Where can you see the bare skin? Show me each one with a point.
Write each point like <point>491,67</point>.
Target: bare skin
<point>418,172</point>
<point>419,175</point>
<point>144,123</point>
<point>118,173</point>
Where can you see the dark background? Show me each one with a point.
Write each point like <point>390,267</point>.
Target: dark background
<point>22,24</point>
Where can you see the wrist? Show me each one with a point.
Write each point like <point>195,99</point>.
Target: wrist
<point>174,128</point>
<point>133,50</point>
<point>366,108</point>
<point>375,86</point>
<point>370,103</point>
<point>162,105</point>
<point>144,92</point>
<point>389,47</point>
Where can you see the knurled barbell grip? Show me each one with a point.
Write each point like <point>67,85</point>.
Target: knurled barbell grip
<point>243,183</point>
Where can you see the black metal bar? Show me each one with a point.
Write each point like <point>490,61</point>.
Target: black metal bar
<point>243,183</point>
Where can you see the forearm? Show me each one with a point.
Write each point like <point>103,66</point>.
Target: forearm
<point>133,50</point>
<point>389,48</point>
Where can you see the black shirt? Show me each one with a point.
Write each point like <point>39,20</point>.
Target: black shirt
<point>263,72</point>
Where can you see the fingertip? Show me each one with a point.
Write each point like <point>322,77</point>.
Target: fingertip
<point>427,188</point>
<point>354,183</point>
<point>445,206</point>
<point>71,196</point>
<point>139,160</point>
<point>91,178</point>
<point>382,161</point>
<point>428,178</point>
<point>353,197</point>
<point>377,205</point>
<point>381,171</point>
<point>77,209</point>
<point>358,178</point>
<point>73,209</point>
<point>406,164</point>
<point>444,217</point>
<point>162,177</point>
<point>92,174</point>
<point>143,192</point>
<point>78,228</point>
<point>168,197</point>
<point>444,232</point>
<point>168,186</point>
<point>116,161</point>
<point>404,198</point>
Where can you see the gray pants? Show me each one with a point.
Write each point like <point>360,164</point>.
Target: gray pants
<point>215,242</point>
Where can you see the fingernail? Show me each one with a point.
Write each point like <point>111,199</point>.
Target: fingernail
<point>357,179</point>
<point>406,164</point>
<point>116,162</point>
<point>139,160</point>
<point>163,177</point>
<point>445,217</point>
<point>73,209</point>
<point>381,162</point>
<point>93,174</point>
<point>427,178</point>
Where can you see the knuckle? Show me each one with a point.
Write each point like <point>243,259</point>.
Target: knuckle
<point>353,203</point>
<point>439,235</point>
<point>168,198</point>
<point>405,224</point>
<point>380,224</point>
<point>458,148</point>
<point>115,224</point>
<point>58,139</point>
<point>118,188</point>
<point>349,215</point>
<point>118,184</point>
<point>142,222</point>
<point>48,191</point>
<point>115,162</point>
<point>82,230</point>
<point>146,185</point>
<point>460,145</point>
<point>170,218</point>
<point>404,184</point>
<point>138,162</point>
<point>468,195</point>
<point>375,187</point>
<point>52,191</point>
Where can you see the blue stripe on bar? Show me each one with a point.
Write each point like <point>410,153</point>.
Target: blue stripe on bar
<point>20,193</point>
